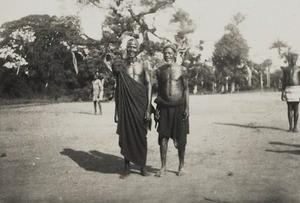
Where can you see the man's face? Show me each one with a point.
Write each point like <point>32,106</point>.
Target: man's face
<point>132,49</point>
<point>293,60</point>
<point>169,55</point>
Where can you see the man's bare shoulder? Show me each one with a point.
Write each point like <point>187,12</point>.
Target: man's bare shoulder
<point>162,67</point>
<point>96,81</point>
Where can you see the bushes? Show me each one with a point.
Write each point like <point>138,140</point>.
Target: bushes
<point>83,94</point>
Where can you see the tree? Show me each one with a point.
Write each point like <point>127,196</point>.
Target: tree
<point>131,18</point>
<point>186,26</point>
<point>231,54</point>
<point>128,18</point>
<point>282,47</point>
<point>275,79</point>
<point>266,65</point>
<point>44,44</point>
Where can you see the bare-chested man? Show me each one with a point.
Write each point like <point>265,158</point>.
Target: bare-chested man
<point>172,108</point>
<point>133,107</point>
<point>291,90</point>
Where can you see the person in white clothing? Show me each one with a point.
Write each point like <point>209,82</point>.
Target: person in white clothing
<point>97,86</point>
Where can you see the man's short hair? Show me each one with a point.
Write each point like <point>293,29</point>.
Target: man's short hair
<point>131,40</point>
<point>293,54</point>
<point>171,46</point>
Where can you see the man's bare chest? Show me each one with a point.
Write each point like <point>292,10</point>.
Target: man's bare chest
<point>170,74</point>
<point>135,70</point>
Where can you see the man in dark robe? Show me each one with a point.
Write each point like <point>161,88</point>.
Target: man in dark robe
<point>133,107</point>
<point>172,108</point>
<point>291,90</point>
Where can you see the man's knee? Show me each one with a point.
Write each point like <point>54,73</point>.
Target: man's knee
<point>163,141</point>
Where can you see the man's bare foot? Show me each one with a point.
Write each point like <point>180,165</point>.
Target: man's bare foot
<point>181,172</point>
<point>125,175</point>
<point>290,130</point>
<point>144,172</point>
<point>295,130</point>
<point>160,173</point>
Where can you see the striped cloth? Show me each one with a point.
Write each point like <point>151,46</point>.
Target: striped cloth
<point>292,93</point>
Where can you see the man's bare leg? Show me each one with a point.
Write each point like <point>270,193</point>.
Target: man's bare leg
<point>95,106</point>
<point>290,116</point>
<point>163,157</point>
<point>100,109</point>
<point>126,169</point>
<point>181,154</point>
<point>144,171</point>
<point>296,116</point>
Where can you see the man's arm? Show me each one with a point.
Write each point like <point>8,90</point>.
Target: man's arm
<point>156,115</point>
<point>116,116</point>
<point>92,92</point>
<point>149,91</point>
<point>186,93</point>
<point>283,81</point>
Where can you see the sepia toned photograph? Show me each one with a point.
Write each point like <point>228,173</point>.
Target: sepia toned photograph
<point>149,101</point>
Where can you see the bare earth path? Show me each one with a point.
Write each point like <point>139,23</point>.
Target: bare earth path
<point>238,151</point>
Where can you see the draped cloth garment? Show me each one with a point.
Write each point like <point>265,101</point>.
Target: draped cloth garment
<point>131,103</point>
<point>292,93</point>
<point>171,123</point>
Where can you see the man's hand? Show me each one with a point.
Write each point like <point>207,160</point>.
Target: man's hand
<point>147,115</point>
<point>156,115</point>
<point>283,96</point>
<point>116,118</point>
<point>186,114</point>
<point>107,64</point>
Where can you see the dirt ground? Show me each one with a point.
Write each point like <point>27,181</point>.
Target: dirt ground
<point>238,150</point>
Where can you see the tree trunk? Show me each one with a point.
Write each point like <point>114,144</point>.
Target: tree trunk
<point>249,76</point>
<point>213,84</point>
<point>222,89</point>
<point>226,86</point>
<point>232,88</point>
<point>261,80</point>
<point>268,78</point>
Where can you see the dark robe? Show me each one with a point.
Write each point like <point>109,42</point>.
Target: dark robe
<point>171,123</point>
<point>131,103</point>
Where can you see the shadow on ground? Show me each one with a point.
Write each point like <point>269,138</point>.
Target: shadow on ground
<point>296,152</point>
<point>87,113</point>
<point>99,162</point>
<point>251,125</point>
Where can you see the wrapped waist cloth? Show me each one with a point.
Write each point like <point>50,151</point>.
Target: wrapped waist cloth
<point>292,93</point>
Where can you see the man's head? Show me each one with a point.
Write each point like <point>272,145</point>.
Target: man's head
<point>292,58</point>
<point>169,53</point>
<point>132,48</point>
<point>96,76</point>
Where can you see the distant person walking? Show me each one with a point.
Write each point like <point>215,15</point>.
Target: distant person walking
<point>291,90</point>
<point>97,86</point>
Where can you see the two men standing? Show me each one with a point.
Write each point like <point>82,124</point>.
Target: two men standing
<point>133,107</point>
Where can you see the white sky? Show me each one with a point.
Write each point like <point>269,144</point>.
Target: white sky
<point>266,20</point>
